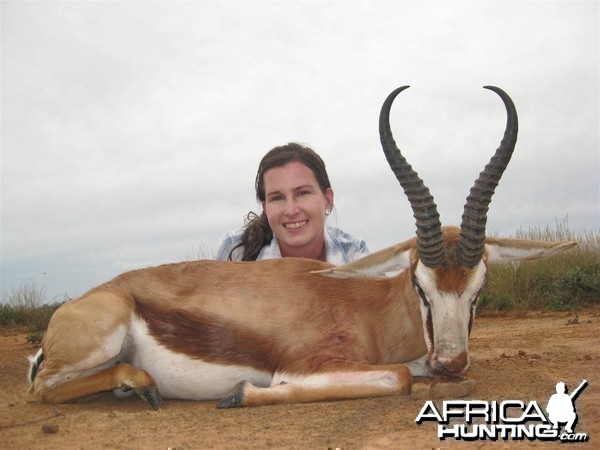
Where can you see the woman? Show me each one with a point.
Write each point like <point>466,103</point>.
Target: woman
<point>293,188</point>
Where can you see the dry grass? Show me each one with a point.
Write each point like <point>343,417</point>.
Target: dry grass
<point>27,309</point>
<point>564,282</point>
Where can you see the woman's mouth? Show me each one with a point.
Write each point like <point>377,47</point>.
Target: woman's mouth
<point>295,225</point>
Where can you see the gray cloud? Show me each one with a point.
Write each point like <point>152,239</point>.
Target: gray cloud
<point>131,131</point>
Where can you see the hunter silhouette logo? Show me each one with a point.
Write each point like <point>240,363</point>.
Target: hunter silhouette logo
<point>508,419</point>
<point>561,406</point>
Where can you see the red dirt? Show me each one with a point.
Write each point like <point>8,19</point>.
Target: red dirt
<point>511,358</point>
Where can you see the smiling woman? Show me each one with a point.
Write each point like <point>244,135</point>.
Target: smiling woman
<point>293,188</point>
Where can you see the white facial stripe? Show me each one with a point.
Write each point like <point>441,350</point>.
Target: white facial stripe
<point>450,312</point>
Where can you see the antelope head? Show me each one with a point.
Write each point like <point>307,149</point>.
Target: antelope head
<point>450,267</point>
<point>447,266</point>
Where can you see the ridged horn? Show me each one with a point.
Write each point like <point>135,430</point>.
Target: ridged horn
<point>429,229</point>
<point>474,219</point>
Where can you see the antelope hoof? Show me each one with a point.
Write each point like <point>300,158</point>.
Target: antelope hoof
<point>150,395</point>
<point>452,389</point>
<point>443,389</point>
<point>123,391</point>
<point>234,398</point>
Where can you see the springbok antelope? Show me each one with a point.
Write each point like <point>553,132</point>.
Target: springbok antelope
<point>290,330</point>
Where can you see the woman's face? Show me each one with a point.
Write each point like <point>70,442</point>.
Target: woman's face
<point>295,207</point>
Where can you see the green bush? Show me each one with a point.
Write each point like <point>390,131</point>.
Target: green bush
<point>567,281</point>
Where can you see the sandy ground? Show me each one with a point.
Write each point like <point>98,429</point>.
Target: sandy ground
<point>512,358</point>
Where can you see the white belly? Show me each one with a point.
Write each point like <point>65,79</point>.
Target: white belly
<point>179,376</point>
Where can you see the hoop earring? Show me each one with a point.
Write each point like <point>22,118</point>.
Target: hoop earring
<point>328,211</point>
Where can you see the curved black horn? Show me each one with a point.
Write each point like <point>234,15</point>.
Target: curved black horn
<point>474,219</point>
<point>429,229</point>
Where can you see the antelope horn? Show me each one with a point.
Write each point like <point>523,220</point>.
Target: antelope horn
<point>429,229</point>
<point>474,219</point>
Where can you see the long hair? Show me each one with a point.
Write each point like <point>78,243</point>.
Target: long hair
<point>257,231</point>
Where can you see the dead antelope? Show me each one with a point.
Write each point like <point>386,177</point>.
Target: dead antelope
<point>290,330</point>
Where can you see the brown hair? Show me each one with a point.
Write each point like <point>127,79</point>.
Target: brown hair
<point>258,232</point>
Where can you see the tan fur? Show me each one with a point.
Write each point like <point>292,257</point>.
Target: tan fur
<point>112,378</point>
<point>213,311</point>
<point>285,316</point>
<point>399,382</point>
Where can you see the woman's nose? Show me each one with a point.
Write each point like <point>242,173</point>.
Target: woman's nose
<point>292,207</point>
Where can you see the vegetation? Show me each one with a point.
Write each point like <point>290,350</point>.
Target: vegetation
<point>27,309</point>
<point>566,282</point>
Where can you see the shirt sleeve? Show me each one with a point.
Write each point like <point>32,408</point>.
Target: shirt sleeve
<point>342,248</point>
<point>228,241</point>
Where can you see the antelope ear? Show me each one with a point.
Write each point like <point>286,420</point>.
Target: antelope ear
<point>510,250</point>
<point>382,264</point>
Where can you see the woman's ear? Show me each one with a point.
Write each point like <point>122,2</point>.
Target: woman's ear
<point>329,199</point>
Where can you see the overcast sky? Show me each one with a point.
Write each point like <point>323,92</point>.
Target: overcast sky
<point>132,131</point>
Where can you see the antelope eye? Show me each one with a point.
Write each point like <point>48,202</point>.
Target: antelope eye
<point>475,299</point>
<point>422,295</point>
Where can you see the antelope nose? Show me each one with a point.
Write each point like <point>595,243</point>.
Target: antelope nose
<point>453,366</point>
